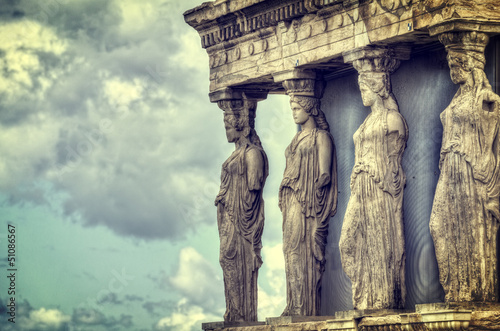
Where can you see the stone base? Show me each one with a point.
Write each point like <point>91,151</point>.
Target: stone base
<point>225,325</point>
<point>477,316</point>
<point>285,320</point>
<point>458,316</point>
<point>370,313</point>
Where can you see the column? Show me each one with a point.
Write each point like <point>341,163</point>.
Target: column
<point>465,213</point>
<point>372,245</point>
<point>307,194</point>
<point>240,207</point>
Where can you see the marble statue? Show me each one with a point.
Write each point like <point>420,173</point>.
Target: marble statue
<point>307,199</point>
<point>372,242</point>
<point>240,211</point>
<point>465,213</point>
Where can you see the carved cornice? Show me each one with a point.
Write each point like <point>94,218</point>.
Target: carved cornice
<point>249,41</point>
<point>465,24</point>
<point>223,21</point>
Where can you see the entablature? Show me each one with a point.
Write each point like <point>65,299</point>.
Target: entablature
<point>250,41</point>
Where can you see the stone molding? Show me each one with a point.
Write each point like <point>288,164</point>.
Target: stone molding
<point>250,41</point>
<point>438,316</point>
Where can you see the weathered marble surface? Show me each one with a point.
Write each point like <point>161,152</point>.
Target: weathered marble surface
<point>465,215</point>
<point>307,199</point>
<point>439,317</point>
<point>372,239</point>
<point>251,42</point>
<point>248,41</point>
<point>240,211</point>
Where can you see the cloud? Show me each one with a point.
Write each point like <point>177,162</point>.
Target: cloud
<point>186,317</point>
<point>133,298</point>
<point>160,280</point>
<point>45,319</point>
<point>272,300</point>
<point>198,282</point>
<point>91,317</point>
<point>53,319</point>
<point>110,298</point>
<point>157,308</point>
<point>29,319</point>
<point>103,108</point>
<point>104,116</point>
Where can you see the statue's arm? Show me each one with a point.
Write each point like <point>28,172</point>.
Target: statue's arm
<point>325,150</point>
<point>255,169</point>
<point>395,124</point>
<point>396,140</point>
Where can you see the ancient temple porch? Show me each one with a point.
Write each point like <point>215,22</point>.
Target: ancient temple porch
<point>261,47</point>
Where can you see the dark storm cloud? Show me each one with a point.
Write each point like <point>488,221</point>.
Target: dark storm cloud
<point>150,173</point>
<point>91,317</point>
<point>110,298</point>
<point>133,298</point>
<point>10,9</point>
<point>3,265</point>
<point>160,279</point>
<point>35,196</point>
<point>159,308</point>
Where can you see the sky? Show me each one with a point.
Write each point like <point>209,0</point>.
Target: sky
<point>110,164</point>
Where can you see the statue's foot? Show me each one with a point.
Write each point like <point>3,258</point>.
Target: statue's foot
<point>286,312</point>
<point>291,312</point>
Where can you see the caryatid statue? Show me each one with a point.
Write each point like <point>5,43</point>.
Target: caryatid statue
<point>240,211</point>
<point>372,245</point>
<point>465,213</point>
<point>307,199</point>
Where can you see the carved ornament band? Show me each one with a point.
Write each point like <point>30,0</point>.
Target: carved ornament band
<point>304,87</point>
<point>468,43</point>
<point>383,64</point>
<point>238,107</point>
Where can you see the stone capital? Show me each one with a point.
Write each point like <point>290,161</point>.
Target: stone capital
<point>238,102</point>
<point>282,76</point>
<point>299,82</point>
<point>238,94</point>
<point>469,43</point>
<point>377,58</point>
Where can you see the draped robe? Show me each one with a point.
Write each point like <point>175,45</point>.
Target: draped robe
<point>372,238</point>
<point>240,218</point>
<point>465,213</point>
<point>306,210</point>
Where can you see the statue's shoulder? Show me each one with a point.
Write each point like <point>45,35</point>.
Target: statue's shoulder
<point>254,152</point>
<point>324,136</point>
<point>396,122</point>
